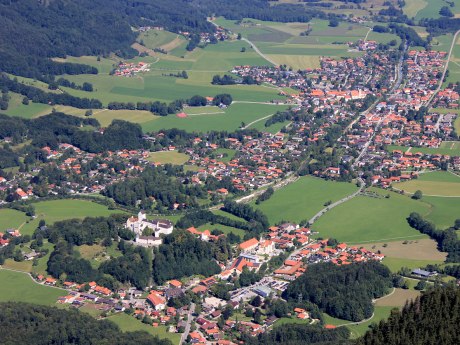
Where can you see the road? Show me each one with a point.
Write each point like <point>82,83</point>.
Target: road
<point>362,185</point>
<point>259,52</point>
<point>184,335</point>
<point>445,69</point>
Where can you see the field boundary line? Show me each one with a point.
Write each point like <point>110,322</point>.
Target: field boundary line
<point>435,195</point>
<point>385,239</point>
<point>30,276</point>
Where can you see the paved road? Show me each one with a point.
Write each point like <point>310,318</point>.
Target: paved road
<point>184,335</point>
<point>362,185</point>
<point>445,69</point>
<point>259,52</point>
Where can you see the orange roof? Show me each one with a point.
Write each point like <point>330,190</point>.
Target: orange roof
<point>249,243</point>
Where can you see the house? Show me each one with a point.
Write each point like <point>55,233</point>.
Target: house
<point>423,274</point>
<point>157,301</point>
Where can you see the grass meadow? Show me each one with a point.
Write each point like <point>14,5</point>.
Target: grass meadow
<point>444,149</point>
<point>168,157</point>
<point>437,183</point>
<point>303,199</point>
<point>19,287</point>
<point>365,219</point>
<point>128,323</point>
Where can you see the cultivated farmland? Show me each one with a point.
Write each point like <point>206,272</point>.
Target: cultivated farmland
<point>438,183</point>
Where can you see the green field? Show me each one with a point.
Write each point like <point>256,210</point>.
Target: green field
<point>444,211</point>
<point>225,229</point>
<point>20,287</point>
<point>365,219</point>
<point>10,218</point>
<point>380,313</point>
<point>438,183</point>
<point>168,157</point>
<point>413,7</point>
<point>130,324</point>
<point>229,121</point>
<point>303,199</point>
<point>444,149</point>
<point>56,210</point>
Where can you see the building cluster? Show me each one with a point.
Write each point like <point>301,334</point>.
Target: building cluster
<point>148,232</point>
<point>130,69</point>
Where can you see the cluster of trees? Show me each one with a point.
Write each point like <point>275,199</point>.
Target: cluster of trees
<point>29,324</point>
<point>246,212</point>
<point>161,183</point>
<point>8,158</point>
<point>265,195</point>
<point>430,319</point>
<point>53,85</point>
<point>183,255</point>
<point>447,239</point>
<point>408,34</point>
<point>39,96</point>
<point>345,292</point>
<point>441,26</point>
<point>229,80</point>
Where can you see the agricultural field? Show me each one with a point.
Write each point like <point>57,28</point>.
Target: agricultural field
<point>231,119</point>
<point>413,7</point>
<point>160,39</point>
<point>284,44</point>
<point>410,253</point>
<point>128,323</point>
<point>454,63</point>
<point>168,157</point>
<point>368,219</point>
<point>16,108</point>
<point>12,219</point>
<point>438,183</point>
<point>303,199</point>
<point>18,286</point>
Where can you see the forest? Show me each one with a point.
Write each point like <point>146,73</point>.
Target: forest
<point>183,255</point>
<point>344,292</point>
<point>30,324</point>
<point>432,318</point>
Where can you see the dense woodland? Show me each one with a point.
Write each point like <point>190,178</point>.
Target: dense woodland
<point>30,324</point>
<point>345,292</point>
<point>183,255</point>
<point>430,319</point>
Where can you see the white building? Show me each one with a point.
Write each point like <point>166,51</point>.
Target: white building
<point>158,226</point>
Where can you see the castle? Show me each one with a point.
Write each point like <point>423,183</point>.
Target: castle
<point>157,226</point>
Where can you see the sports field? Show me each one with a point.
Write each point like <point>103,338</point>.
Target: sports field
<point>303,199</point>
<point>230,120</point>
<point>168,157</point>
<point>128,323</point>
<point>367,219</point>
<point>20,287</point>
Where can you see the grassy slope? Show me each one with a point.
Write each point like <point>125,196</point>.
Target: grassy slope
<point>438,183</point>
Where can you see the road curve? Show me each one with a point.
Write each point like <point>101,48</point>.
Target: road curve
<point>362,185</point>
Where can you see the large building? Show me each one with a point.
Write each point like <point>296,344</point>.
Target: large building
<point>158,226</point>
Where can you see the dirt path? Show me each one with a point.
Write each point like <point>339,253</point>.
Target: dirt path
<point>255,121</point>
<point>262,55</point>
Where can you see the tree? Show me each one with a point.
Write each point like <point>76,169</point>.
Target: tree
<point>243,49</point>
<point>446,11</point>
<point>333,23</point>
<point>457,224</point>
<point>421,285</point>
<point>256,301</point>
<point>238,37</point>
<point>417,195</point>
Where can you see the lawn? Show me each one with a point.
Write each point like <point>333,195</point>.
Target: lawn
<point>366,219</point>
<point>232,119</point>
<point>303,199</point>
<point>438,183</point>
<point>168,157</point>
<point>20,287</point>
<point>130,324</point>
